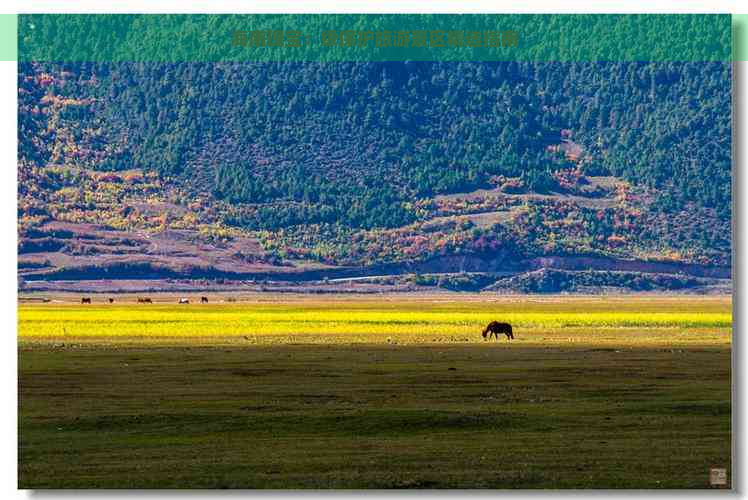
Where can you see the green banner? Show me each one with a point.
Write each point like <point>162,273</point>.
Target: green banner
<point>359,37</point>
<point>739,33</point>
<point>8,37</point>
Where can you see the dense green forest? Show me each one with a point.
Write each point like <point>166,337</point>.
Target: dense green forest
<point>354,141</point>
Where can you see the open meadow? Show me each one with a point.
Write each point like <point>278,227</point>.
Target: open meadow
<point>394,391</point>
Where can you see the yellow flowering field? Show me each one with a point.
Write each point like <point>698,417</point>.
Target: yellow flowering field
<point>690,320</point>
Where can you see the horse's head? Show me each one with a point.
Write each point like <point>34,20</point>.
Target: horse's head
<point>485,332</point>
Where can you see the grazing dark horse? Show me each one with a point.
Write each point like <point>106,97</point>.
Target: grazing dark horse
<point>111,300</point>
<point>203,300</point>
<point>495,328</point>
<point>144,300</point>
<point>86,300</point>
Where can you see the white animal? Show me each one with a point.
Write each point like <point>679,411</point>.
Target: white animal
<point>184,300</point>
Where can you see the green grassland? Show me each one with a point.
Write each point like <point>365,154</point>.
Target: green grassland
<point>394,392</point>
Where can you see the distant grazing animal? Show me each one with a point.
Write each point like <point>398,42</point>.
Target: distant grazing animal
<point>184,301</point>
<point>144,300</point>
<point>86,300</point>
<point>203,300</point>
<point>111,300</point>
<point>495,328</point>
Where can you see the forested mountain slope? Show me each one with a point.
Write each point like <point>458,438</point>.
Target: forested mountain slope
<point>292,166</point>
